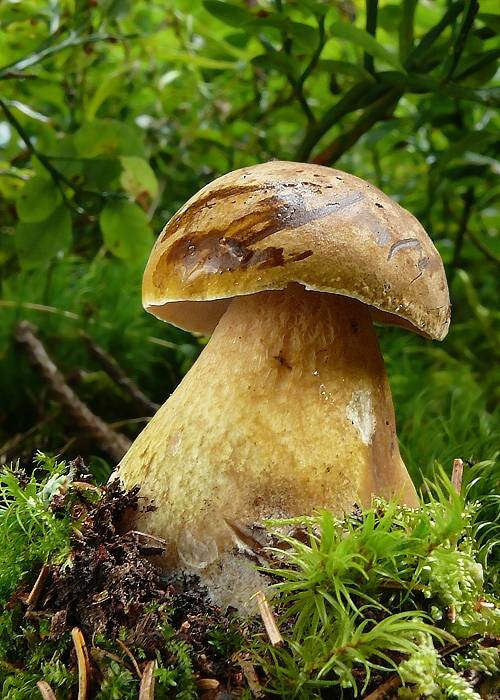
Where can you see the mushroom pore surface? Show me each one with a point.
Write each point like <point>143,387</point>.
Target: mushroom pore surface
<point>286,411</point>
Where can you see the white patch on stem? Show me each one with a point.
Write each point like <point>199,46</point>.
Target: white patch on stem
<point>360,412</point>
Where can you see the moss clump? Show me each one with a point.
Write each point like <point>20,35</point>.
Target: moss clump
<point>387,598</point>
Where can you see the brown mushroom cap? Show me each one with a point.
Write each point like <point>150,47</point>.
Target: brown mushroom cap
<point>263,227</point>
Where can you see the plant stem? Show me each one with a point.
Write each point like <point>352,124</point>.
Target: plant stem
<point>371,28</point>
<point>370,116</point>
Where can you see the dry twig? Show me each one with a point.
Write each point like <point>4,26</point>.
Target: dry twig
<point>207,683</point>
<point>82,658</point>
<point>113,443</point>
<point>390,684</point>
<point>127,651</point>
<point>457,474</point>
<point>250,674</point>
<point>147,688</point>
<point>268,619</point>
<point>34,595</point>
<point>46,691</point>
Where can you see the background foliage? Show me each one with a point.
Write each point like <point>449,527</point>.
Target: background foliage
<point>113,112</point>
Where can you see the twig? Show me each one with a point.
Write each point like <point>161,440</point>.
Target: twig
<point>82,658</point>
<point>113,369</point>
<point>268,619</point>
<point>127,651</point>
<point>147,688</point>
<point>207,683</point>
<point>360,95</point>
<point>250,674</point>
<point>373,114</point>
<point>45,690</point>
<point>38,56</point>
<point>457,474</point>
<point>380,692</point>
<point>371,28</point>
<point>113,443</point>
<point>482,247</point>
<point>54,173</point>
<point>37,589</point>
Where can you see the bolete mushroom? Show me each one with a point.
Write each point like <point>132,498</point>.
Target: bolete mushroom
<point>288,409</point>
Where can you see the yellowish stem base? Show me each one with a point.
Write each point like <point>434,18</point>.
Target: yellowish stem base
<point>286,411</point>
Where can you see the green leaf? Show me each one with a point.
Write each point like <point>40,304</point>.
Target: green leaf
<point>365,41</point>
<point>38,198</point>
<point>39,242</point>
<point>126,231</point>
<point>108,137</point>
<point>138,177</point>
<point>228,13</point>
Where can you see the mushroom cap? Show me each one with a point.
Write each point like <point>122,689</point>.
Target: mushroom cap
<point>266,226</point>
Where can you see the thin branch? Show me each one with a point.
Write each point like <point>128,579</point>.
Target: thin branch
<point>111,442</point>
<point>54,173</point>
<point>315,57</point>
<point>56,176</point>
<point>371,28</point>
<point>38,586</point>
<point>45,690</point>
<point>358,96</point>
<point>457,474</point>
<point>21,64</point>
<point>482,247</point>
<point>113,369</point>
<point>269,620</point>
<point>379,110</point>
<point>82,658</point>
<point>147,688</point>
<point>458,46</point>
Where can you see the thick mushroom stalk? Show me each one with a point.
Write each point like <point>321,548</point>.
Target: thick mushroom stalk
<point>286,411</point>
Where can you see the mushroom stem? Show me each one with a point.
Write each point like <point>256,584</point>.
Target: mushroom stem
<point>286,411</point>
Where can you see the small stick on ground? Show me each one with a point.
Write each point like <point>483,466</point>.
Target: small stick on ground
<point>251,676</point>
<point>82,658</point>
<point>113,370</point>
<point>113,443</point>
<point>127,651</point>
<point>457,474</point>
<point>46,691</point>
<point>268,619</point>
<point>379,693</point>
<point>207,683</point>
<point>36,591</point>
<point>147,689</point>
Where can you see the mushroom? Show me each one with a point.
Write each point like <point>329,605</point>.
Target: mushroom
<point>288,409</point>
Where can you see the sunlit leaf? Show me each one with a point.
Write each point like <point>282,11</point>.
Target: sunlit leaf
<point>126,231</point>
<point>137,177</point>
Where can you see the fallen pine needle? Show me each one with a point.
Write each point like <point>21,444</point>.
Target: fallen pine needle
<point>268,619</point>
<point>207,683</point>
<point>147,689</point>
<point>127,651</point>
<point>391,684</point>
<point>251,676</point>
<point>34,595</point>
<point>457,474</point>
<point>82,658</point>
<point>45,690</point>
